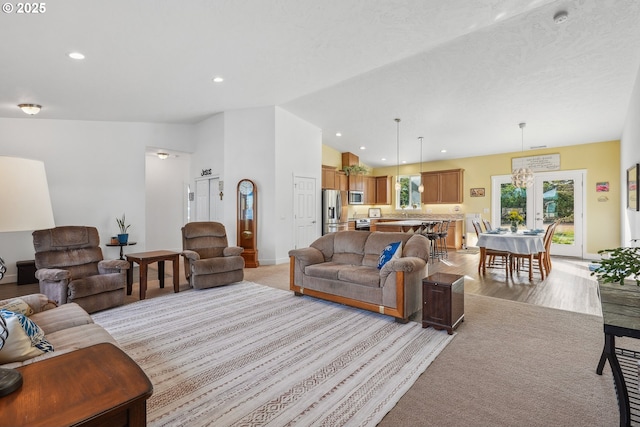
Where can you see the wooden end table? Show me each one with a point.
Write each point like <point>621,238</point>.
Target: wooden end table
<point>443,301</point>
<point>146,258</point>
<point>94,386</point>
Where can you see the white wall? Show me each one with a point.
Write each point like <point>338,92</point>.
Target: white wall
<point>267,145</point>
<point>95,170</point>
<point>250,153</point>
<point>298,153</point>
<point>629,155</point>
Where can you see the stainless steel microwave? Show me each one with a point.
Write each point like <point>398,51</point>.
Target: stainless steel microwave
<point>356,197</point>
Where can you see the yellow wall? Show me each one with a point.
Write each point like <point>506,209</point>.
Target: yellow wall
<point>331,157</point>
<point>601,161</point>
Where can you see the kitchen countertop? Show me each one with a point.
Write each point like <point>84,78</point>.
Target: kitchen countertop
<point>402,223</point>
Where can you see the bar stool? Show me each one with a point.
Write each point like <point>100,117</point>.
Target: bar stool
<point>443,232</point>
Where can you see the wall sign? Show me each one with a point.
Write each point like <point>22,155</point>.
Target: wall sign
<point>205,172</point>
<point>544,163</point>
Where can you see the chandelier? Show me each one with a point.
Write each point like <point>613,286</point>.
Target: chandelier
<point>421,186</point>
<point>522,177</point>
<point>398,186</point>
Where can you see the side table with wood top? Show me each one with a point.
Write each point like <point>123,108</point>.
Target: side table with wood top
<point>146,258</point>
<point>443,301</point>
<point>94,386</point>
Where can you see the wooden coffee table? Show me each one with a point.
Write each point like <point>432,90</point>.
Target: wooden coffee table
<point>146,258</point>
<point>94,386</point>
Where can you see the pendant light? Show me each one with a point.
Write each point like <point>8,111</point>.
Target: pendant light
<point>398,186</point>
<point>421,186</point>
<point>522,177</point>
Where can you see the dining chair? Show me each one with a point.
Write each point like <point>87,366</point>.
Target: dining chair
<point>487,224</point>
<point>540,261</point>
<point>491,254</point>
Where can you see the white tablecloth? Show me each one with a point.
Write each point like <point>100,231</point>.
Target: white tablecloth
<point>514,243</point>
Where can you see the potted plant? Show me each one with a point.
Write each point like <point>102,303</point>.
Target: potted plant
<point>618,264</point>
<point>515,219</point>
<point>123,237</point>
<point>355,170</point>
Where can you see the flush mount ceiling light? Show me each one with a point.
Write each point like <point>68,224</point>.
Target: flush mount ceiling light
<point>522,177</point>
<point>75,55</point>
<point>398,186</point>
<point>31,109</point>
<point>163,156</point>
<point>561,17</point>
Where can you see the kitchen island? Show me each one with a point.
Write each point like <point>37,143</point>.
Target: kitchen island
<point>454,233</point>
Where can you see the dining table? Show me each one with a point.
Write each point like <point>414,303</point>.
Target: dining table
<point>522,243</point>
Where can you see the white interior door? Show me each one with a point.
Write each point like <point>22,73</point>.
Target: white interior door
<point>305,211</point>
<point>208,203</point>
<point>553,196</point>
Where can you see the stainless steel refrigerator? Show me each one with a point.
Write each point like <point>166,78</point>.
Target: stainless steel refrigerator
<point>334,211</point>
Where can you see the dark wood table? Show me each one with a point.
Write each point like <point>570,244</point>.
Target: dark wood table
<point>94,386</point>
<point>122,245</point>
<point>146,258</point>
<point>621,317</point>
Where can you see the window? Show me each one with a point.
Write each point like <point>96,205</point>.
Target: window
<point>408,197</point>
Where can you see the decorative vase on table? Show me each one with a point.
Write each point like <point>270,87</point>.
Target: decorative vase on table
<point>123,238</point>
<point>514,226</point>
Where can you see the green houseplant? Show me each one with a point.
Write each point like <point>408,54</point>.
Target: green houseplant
<point>618,264</point>
<point>123,237</point>
<point>355,170</point>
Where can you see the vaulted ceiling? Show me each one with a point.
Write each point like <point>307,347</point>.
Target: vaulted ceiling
<point>462,74</point>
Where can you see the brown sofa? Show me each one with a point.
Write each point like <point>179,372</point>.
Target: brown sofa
<point>67,327</point>
<point>342,267</point>
<point>70,268</point>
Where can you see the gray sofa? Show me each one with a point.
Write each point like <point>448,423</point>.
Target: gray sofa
<point>342,267</point>
<point>67,327</point>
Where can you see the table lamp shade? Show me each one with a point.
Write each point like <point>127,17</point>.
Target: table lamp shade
<point>24,195</point>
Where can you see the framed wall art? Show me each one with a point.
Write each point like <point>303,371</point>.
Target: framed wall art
<point>632,188</point>
<point>477,192</point>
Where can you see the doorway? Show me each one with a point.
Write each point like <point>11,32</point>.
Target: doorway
<point>553,196</point>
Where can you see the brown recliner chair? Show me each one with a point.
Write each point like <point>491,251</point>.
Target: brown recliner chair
<point>209,260</point>
<point>70,268</point>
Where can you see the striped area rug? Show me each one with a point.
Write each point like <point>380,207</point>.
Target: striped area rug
<point>251,355</point>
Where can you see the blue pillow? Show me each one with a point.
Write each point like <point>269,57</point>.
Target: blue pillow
<point>391,251</point>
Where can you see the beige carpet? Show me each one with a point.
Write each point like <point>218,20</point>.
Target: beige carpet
<point>514,364</point>
<point>251,355</point>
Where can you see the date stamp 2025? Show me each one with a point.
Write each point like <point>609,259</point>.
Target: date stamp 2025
<point>24,8</point>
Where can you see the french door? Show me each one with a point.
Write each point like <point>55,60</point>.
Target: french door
<point>553,196</point>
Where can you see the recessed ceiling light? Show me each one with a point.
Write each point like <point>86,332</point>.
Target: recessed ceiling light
<point>76,55</point>
<point>218,79</point>
<point>404,161</point>
<point>443,151</point>
<point>362,147</point>
<point>383,159</point>
<point>338,134</point>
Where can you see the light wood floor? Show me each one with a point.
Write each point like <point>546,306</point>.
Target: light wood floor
<point>568,287</point>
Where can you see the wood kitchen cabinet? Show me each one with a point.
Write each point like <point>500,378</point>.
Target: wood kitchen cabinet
<point>443,186</point>
<point>328,177</point>
<point>333,179</point>
<point>356,182</point>
<point>342,181</point>
<point>369,190</point>
<point>383,190</point>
